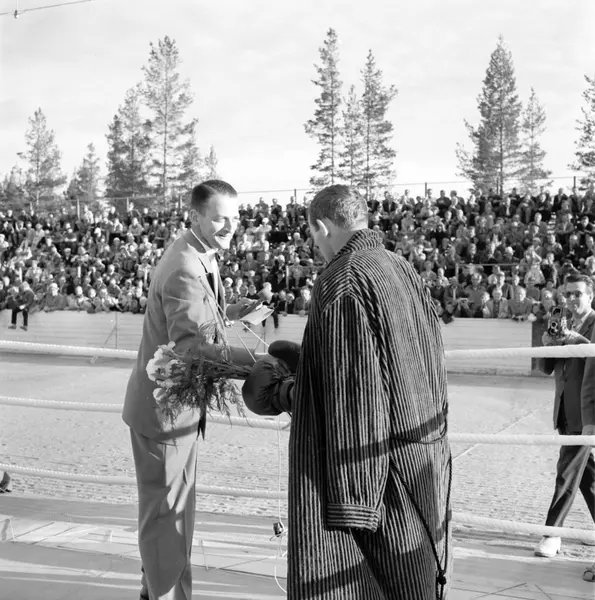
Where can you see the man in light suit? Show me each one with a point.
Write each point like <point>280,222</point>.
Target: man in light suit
<point>185,292</point>
<point>574,410</point>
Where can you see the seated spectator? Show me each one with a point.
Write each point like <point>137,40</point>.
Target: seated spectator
<point>3,295</point>
<point>532,291</point>
<point>302,303</point>
<point>103,302</point>
<point>498,305</point>
<point>481,310</point>
<point>22,303</point>
<point>78,301</point>
<point>53,300</point>
<point>520,306</point>
<point>475,292</point>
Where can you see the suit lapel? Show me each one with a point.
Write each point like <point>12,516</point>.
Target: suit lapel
<point>587,324</point>
<point>213,279</point>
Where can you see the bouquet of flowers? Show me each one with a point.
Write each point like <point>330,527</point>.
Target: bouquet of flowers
<point>191,380</point>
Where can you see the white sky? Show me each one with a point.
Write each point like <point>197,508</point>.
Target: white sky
<point>250,63</point>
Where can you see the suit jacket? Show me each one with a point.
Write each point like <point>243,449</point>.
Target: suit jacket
<point>588,389</point>
<point>180,300</point>
<point>574,385</point>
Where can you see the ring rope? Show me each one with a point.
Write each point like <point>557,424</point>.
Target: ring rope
<point>575,351</point>
<point>124,480</point>
<point>459,518</point>
<point>275,425</point>
<point>572,351</point>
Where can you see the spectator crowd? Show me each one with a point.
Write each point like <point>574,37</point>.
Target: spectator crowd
<point>481,256</point>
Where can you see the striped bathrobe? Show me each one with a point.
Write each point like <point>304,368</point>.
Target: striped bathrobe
<point>369,465</point>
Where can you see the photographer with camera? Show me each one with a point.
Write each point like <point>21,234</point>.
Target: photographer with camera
<point>574,404</point>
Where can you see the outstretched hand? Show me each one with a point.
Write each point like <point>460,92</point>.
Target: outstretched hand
<point>240,309</point>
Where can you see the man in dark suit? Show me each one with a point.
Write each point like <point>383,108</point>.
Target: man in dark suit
<point>186,292</point>
<point>574,410</point>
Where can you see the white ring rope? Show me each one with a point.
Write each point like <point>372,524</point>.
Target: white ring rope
<point>582,535</point>
<point>572,351</point>
<point>577,351</point>
<point>458,518</point>
<point>124,480</point>
<point>455,438</point>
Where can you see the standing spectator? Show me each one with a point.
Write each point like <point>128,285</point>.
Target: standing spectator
<point>574,411</point>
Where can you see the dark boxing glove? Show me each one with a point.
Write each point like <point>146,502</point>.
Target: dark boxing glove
<point>268,390</point>
<point>288,352</point>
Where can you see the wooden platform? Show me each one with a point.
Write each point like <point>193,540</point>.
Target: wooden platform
<point>87,551</point>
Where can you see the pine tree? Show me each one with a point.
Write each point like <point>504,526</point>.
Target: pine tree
<point>89,176</point>
<point>74,191</point>
<point>211,163</point>
<point>168,97</point>
<point>115,180</point>
<point>192,163</point>
<point>13,193</point>
<point>325,126</point>
<point>494,158</point>
<point>585,145</point>
<point>128,153</point>
<point>44,175</point>
<point>352,156</point>
<point>532,172</point>
<point>377,130</point>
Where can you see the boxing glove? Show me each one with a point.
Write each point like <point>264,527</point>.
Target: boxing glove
<point>268,390</point>
<point>288,352</point>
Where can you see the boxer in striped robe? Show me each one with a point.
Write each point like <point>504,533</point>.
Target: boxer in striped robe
<point>369,462</point>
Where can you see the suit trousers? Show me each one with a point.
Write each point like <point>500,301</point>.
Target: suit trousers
<point>166,480</point>
<point>575,470</point>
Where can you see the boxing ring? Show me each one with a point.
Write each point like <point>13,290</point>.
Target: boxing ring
<point>282,428</point>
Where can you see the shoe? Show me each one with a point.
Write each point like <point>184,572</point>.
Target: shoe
<point>589,543</point>
<point>589,574</point>
<point>5,484</point>
<point>12,327</point>
<point>548,547</point>
<point>24,327</point>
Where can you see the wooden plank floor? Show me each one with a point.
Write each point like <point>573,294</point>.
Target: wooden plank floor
<point>86,551</point>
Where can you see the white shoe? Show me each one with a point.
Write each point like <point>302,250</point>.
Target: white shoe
<point>548,547</point>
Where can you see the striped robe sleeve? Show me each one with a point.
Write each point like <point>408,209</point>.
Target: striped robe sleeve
<point>356,415</point>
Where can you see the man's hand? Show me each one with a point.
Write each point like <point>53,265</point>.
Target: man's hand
<point>548,340</point>
<point>572,337</point>
<point>588,430</point>
<point>242,308</point>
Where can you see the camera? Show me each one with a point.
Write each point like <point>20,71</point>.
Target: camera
<point>557,325</point>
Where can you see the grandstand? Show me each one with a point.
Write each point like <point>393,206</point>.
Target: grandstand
<point>102,261</point>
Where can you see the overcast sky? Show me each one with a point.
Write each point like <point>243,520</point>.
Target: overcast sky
<point>250,63</point>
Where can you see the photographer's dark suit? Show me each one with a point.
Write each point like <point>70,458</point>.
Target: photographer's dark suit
<point>573,408</point>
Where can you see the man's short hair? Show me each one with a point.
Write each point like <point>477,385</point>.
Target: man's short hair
<point>204,191</point>
<point>341,205</point>
<point>580,278</point>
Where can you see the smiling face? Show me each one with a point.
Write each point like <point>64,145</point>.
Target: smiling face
<point>579,298</point>
<point>217,221</point>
